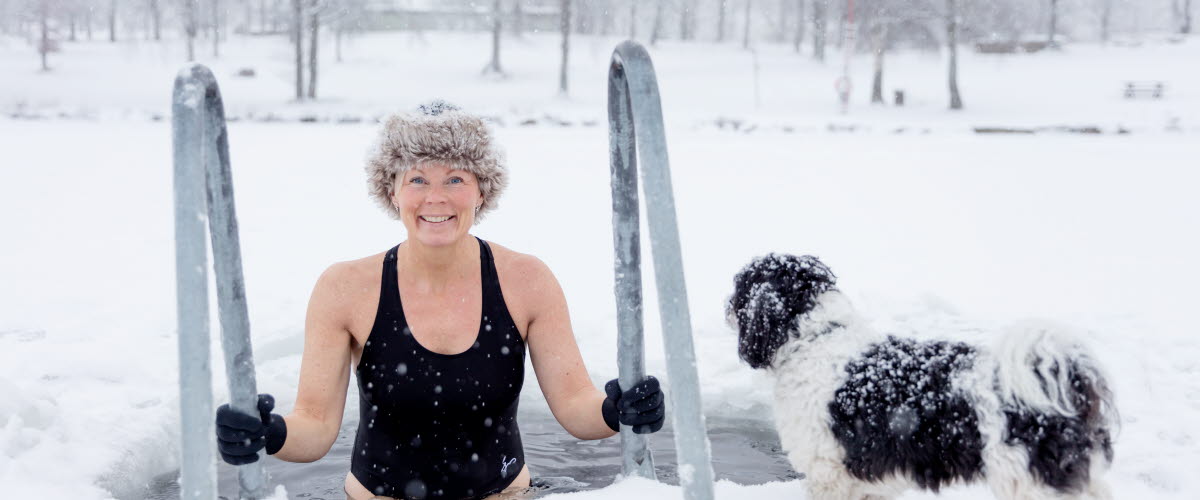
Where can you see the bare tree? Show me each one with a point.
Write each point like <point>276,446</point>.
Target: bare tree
<point>494,66</point>
<point>314,31</point>
<point>44,45</point>
<point>1183,11</point>
<point>156,19</point>
<point>656,30</point>
<point>799,25</point>
<point>565,24</point>
<point>1053,22</point>
<point>298,41</point>
<point>518,19</point>
<point>687,19</point>
<point>746,29</point>
<point>633,19</point>
<point>721,7</point>
<point>1105,20</point>
<point>189,27</point>
<point>820,11</point>
<point>112,21</point>
<point>216,27</point>
<point>952,44</point>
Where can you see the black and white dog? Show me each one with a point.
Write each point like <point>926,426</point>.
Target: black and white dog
<point>868,416</point>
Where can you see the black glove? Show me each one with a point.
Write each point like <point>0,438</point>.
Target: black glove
<point>640,407</point>
<point>240,436</point>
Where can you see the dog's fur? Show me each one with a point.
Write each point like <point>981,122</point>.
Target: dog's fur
<point>865,415</point>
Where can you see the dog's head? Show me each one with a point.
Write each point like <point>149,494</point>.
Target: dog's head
<point>769,295</point>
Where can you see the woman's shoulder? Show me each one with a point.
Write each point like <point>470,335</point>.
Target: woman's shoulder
<point>523,265</point>
<point>353,274</point>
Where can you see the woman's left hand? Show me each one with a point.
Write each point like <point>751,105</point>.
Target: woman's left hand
<point>640,407</point>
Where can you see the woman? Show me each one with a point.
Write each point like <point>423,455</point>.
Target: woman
<point>436,330</point>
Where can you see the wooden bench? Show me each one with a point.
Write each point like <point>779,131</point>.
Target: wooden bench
<point>1149,89</point>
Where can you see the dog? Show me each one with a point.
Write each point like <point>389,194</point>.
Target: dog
<point>869,416</point>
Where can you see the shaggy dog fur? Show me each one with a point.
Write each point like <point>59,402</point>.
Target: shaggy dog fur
<point>436,132</point>
<point>868,416</point>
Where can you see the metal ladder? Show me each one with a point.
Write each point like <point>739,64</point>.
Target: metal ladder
<point>204,203</point>
<point>635,130</point>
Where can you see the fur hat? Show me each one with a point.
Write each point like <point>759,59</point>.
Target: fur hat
<point>440,132</point>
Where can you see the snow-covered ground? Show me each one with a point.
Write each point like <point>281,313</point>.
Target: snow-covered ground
<point>935,231</point>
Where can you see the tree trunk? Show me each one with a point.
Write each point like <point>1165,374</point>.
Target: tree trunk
<point>189,28</point>
<point>799,25</point>
<point>216,27</point>
<point>314,32</point>
<point>746,28</point>
<point>156,18</point>
<point>44,47</point>
<point>819,18</point>
<point>1105,20</point>
<point>721,5</point>
<point>656,31</point>
<point>1053,22</point>
<point>112,21</point>
<point>337,43</point>
<point>72,26</point>
<point>298,40</point>
<point>952,44</point>
<point>633,19</point>
<point>518,20</point>
<point>1186,28</point>
<point>494,66</point>
<point>565,24</point>
<point>685,20</point>
<point>878,41</point>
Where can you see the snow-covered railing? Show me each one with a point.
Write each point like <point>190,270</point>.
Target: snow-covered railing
<point>204,197</point>
<point>635,126</point>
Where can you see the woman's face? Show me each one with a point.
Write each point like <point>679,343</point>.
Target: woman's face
<point>437,203</point>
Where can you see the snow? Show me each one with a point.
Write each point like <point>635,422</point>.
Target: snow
<point>933,231</point>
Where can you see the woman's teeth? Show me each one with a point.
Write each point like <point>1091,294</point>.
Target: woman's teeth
<point>428,218</point>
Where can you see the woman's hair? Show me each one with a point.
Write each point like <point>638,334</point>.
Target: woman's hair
<point>436,132</point>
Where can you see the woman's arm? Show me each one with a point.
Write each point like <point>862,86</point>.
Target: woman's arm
<point>313,425</point>
<point>564,379</point>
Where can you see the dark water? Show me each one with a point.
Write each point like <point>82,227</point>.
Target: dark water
<point>745,451</point>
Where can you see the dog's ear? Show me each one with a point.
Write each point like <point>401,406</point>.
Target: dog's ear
<point>769,294</point>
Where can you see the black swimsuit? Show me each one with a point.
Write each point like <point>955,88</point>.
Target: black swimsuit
<point>439,425</point>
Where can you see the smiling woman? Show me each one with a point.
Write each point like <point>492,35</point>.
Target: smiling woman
<point>436,330</point>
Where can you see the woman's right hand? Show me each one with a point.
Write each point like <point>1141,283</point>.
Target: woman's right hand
<point>240,436</point>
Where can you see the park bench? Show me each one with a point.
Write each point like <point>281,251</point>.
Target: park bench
<point>1151,89</point>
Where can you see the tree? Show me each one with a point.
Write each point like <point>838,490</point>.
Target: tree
<point>216,27</point>
<point>1053,22</point>
<point>656,30</point>
<point>799,25</point>
<point>493,67</point>
<point>952,44</point>
<point>1183,11</point>
<point>746,30</point>
<point>687,19</point>
<point>565,24</point>
<point>155,18</point>
<point>820,11</point>
<point>633,19</point>
<point>1105,20</point>
<point>112,21</point>
<point>314,30</point>
<point>721,5</point>
<point>298,41</point>
<point>44,46</point>
<point>189,28</point>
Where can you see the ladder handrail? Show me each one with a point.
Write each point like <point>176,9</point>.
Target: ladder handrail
<point>636,126</point>
<point>201,157</point>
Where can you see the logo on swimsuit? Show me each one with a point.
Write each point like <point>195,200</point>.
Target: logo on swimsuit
<point>504,464</point>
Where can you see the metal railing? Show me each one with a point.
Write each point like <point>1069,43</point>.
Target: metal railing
<point>204,201</point>
<point>635,128</point>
